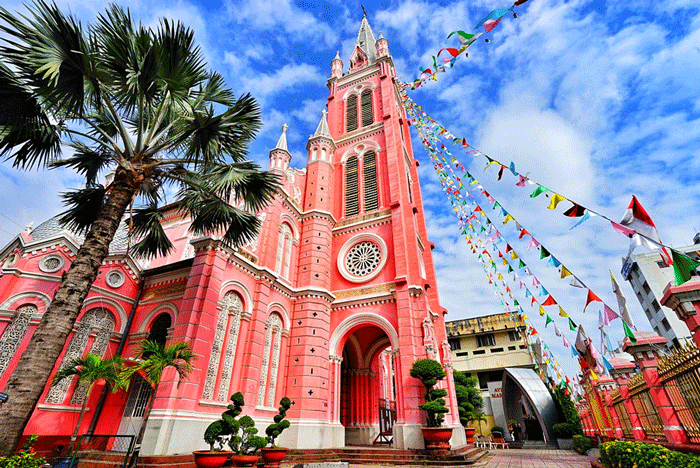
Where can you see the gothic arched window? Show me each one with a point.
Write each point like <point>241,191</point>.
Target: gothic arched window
<point>352,192</point>
<point>366,101</point>
<point>13,335</point>
<point>101,322</point>
<point>159,329</point>
<point>284,251</point>
<point>224,345</point>
<point>270,361</point>
<point>351,113</point>
<point>369,169</point>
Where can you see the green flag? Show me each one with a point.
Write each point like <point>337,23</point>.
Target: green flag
<point>628,332</point>
<point>515,303</point>
<point>572,325</point>
<point>548,321</point>
<point>521,264</point>
<point>540,189</point>
<point>544,253</point>
<point>682,266</point>
<point>510,269</point>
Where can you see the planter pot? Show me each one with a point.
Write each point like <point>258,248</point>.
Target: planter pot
<point>565,444</point>
<point>244,460</point>
<point>470,431</point>
<point>207,459</point>
<point>66,462</point>
<point>273,456</point>
<point>437,438</point>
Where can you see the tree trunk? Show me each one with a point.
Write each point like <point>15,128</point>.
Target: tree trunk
<point>74,437</point>
<point>30,377</point>
<point>142,430</point>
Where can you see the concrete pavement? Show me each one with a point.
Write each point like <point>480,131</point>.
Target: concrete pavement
<point>534,459</point>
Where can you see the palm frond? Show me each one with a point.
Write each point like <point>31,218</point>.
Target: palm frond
<point>154,358</point>
<point>147,226</point>
<point>83,206</point>
<point>85,161</point>
<point>242,181</point>
<point>180,61</point>
<point>91,368</point>
<point>27,136</point>
<point>49,51</point>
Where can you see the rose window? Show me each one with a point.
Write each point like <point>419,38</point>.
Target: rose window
<point>363,258</point>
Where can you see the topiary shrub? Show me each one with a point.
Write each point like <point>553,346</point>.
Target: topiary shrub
<point>430,372</point>
<point>498,429</point>
<point>469,400</point>
<point>563,430</point>
<point>621,454</point>
<point>582,444</point>
<point>219,432</point>
<point>280,424</point>
<point>569,411</point>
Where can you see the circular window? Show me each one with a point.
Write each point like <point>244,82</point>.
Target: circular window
<point>10,261</point>
<point>115,279</point>
<point>51,263</point>
<point>362,258</point>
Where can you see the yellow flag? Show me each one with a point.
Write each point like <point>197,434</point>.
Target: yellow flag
<point>508,218</point>
<point>565,272</point>
<point>593,374</point>
<point>542,311</point>
<point>524,317</point>
<point>513,255</point>
<point>505,262</point>
<point>556,198</point>
<point>490,162</point>
<point>500,276</point>
<point>562,313</point>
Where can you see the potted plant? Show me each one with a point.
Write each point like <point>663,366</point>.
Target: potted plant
<point>217,436</point>
<point>564,433</point>
<point>244,442</point>
<point>469,402</point>
<point>430,372</point>
<point>273,455</point>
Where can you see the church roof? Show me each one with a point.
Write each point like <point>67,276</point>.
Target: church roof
<point>53,227</point>
<point>366,40</point>
<point>322,129</point>
<point>282,142</point>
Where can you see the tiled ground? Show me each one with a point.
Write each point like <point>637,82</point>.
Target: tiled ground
<point>534,459</point>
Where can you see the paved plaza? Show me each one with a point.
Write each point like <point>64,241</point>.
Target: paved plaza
<point>534,459</point>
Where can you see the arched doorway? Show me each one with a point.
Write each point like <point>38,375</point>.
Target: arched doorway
<point>368,384</point>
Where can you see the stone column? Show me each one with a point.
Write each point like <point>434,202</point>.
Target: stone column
<point>645,353</point>
<point>622,370</point>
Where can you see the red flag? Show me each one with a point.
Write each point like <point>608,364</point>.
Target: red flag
<point>591,298</point>
<point>638,219</point>
<point>549,301</point>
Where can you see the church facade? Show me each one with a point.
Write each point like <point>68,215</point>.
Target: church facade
<point>330,305</point>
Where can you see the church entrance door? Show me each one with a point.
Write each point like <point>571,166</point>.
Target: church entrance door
<point>368,386</point>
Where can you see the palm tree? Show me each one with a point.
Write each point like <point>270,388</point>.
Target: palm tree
<point>141,103</point>
<point>90,369</point>
<point>151,360</point>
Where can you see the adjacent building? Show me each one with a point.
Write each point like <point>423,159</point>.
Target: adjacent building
<point>649,275</point>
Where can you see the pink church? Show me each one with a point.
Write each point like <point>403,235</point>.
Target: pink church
<point>330,305</point>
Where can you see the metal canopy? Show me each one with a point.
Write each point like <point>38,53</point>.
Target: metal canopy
<point>527,383</point>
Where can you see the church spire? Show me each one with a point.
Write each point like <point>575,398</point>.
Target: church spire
<point>282,142</point>
<point>366,40</point>
<point>322,129</point>
<point>280,155</point>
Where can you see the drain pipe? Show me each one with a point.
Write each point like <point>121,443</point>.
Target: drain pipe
<point>120,349</point>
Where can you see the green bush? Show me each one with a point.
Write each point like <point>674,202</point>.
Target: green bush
<point>25,458</point>
<point>563,430</point>
<point>622,454</point>
<point>569,411</point>
<point>498,429</point>
<point>469,399</point>
<point>582,444</point>
<point>430,372</point>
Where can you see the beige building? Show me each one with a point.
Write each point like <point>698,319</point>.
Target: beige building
<point>482,347</point>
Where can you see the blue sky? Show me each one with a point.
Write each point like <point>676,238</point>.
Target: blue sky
<point>596,100</point>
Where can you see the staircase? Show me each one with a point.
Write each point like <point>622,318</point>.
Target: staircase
<point>361,455</point>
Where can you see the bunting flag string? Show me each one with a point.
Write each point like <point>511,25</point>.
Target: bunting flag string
<point>465,40</point>
<point>478,247</point>
<point>636,224</point>
<point>453,191</point>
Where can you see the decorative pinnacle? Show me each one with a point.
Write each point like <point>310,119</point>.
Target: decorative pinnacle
<point>364,13</point>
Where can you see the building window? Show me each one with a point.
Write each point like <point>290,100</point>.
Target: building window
<point>225,342</point>
<point>284,251</point>
<point>13,335</point>
<point>455,343</point>
<point>369,166</point>
<point>646,288</point>
<point>496,350</point>
<point>513,335</point>
<point>351,113</point>
<point>271,360</point>
<point>666,325</point>
<point>485,340</point>
<point>366,100</point>
<point>159,329</point>
<point>352,193</point>
<point>98,320</point>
